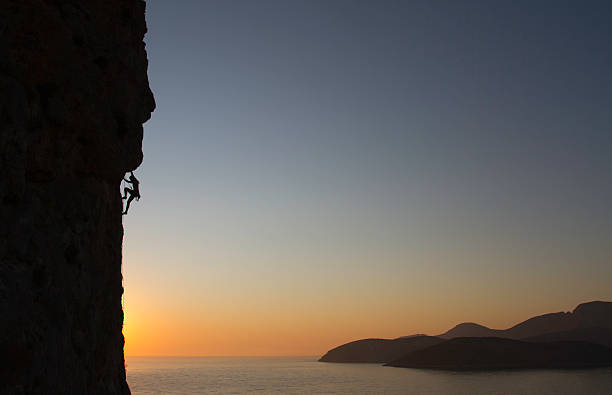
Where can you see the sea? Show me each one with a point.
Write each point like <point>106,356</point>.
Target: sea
<point>304,375</point>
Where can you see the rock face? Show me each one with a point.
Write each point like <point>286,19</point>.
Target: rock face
<point>74,94</point>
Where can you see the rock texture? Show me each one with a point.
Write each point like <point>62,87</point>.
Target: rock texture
<point>74,94</point>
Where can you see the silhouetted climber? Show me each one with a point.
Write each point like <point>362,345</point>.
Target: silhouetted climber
<point>134,191</point>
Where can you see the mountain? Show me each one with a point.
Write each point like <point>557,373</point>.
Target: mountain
<point>470,329</point>
<point>490,353</point>
<point>588,322</point>
<point>585,315</point>
<point>601,336</point>
<point>378,350</point>
<point>594,315</point>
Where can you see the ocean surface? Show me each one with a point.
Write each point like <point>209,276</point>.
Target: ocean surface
<point>290,375</point>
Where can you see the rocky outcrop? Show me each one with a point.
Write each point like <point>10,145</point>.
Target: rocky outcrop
<point>74,94</point>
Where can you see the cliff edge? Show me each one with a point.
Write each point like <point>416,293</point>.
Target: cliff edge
<point>74,94</point>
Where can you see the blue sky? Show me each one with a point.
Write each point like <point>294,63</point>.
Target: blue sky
<point>427,151</point>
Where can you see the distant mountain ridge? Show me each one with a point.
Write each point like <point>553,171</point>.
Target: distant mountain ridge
<point>601,336</point>
<point>378,350</point>
<point>589,322</point>
<point>492,353</point>
<point>586,315</point>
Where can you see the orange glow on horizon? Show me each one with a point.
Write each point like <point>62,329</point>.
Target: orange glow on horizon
<point>167,333</point>
<point>282,313</point>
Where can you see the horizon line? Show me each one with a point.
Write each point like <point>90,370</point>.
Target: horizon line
<point>223,356</point>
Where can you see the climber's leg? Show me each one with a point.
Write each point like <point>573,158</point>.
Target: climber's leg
<point>125,192</point>
<point>127,206</point>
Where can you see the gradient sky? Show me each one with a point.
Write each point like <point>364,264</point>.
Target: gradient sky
<point>322,171</point>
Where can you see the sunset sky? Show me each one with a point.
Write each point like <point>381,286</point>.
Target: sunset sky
<point>322,171</point>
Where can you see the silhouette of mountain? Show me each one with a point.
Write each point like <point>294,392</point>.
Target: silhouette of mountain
<point>585,315</point>
<point>378,350</point>
<point>601,336</point>
<point>470,329</point>
<point>490,353</point>
<point>588,322</point>
<point>594,315</point>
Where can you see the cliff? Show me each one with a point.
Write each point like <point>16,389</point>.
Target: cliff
<point>74,95</point>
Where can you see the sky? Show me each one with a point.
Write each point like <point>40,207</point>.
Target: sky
<point>318,172</point>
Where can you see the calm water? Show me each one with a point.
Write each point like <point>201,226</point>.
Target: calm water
<point>221,375</point>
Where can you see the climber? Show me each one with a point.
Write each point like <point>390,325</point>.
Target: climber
<point>134,192</point>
